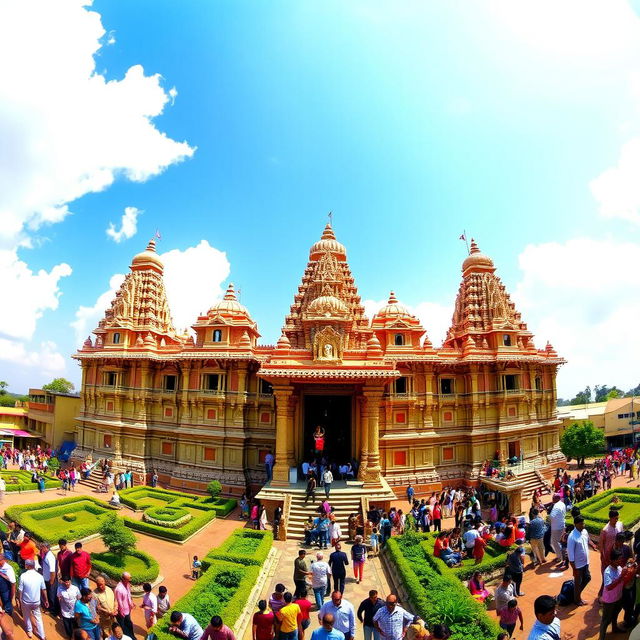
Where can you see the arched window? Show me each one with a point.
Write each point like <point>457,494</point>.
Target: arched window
<point>398,340</point>
<point>116,338</point>
<point>506,340</point>
<point>217,335</point>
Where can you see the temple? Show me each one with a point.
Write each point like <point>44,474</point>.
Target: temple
<point>211,403</point>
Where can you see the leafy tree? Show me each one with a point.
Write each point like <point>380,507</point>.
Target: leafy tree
<point>562,402</point>
<point>633,392</point>
<point>116,537</point>
<point>583,397</point>
<point>581,440</point>
<point>3,387</point>
<point>59,385</point>
<point>214,488</point>
<point>614,393</point>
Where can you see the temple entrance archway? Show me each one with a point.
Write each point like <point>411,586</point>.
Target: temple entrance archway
<point>334,414</point>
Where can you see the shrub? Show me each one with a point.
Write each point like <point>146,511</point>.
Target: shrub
<point>116,537</point>
<point>596,509</point>
<point>21,481</point>
<point>244,546</point>
<point>214,488</point>
<point>69,517</point>
<point>142,566</point>
<point>182,533</point>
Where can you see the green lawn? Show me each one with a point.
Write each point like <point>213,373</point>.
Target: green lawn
<point>72,518</point>
<point>141,566</point>
<point>596,509</point>
<point>21,481</point>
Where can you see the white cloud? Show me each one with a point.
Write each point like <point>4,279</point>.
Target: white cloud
<point>128,225</point>
<point>582,296</point>
<point>435,317</point>
<point>184,275</point>
<point>46,359</point>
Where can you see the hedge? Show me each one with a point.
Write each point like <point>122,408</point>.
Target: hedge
<point>35,517</point>
<point>495,557</point>
<point>178,534</point>
<point>24,481</point>
<point>135,496</point>
<point>438,598</point>
<point>114,565</point>
<point>244,546</point>
<point>596,509</point>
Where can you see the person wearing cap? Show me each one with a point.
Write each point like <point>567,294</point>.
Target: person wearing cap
<point>31,592</point>
<point>578,543</point>
<point>515,566</point>
<point>557,517</point>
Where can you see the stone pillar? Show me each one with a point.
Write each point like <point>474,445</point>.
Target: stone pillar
<point>515,501</point>
<point>373,397</point>
<point>284,434</point>
<point>364,437</point>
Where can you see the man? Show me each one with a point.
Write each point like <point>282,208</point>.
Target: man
<point>64,558</point>
<point>322,527</point>
<point>557,517</point>
<point>32,591</point>
<point>536,537</point>
<point>607,541</point>
<point>326,631</point>
<point>469,538</point>
<point>344,617</point>
<point>48,564</point>
<point>327,478</point>
<point>338,562</point>
<point>80,567</point>
<point>311,490</point>
<point>547,625</point>
<point>268,465</point>
<point>300,573</point>
<point>117,633</point>
<point>184,625</point>
<point>515,566</point>
<point>3,488</point>
<point>505,591</point>
<point>216,630</point>
<point>320,576</point>
<point>7,584</point>
<point>105,605</point>
<point>578,543</point>
<point>305,607</point>
<point>612,593</point>
<point>67,595</point>
<point>154,480</point>
<point>391,621</point>
<point>290,618</point>
<point>125,604</point>
<point>28,550</point>
<point>86,617</point>
<point>367,609</point>
<point>410,493</point>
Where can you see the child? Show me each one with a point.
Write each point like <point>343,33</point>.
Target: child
<point>149,605</point>
<point>509,615</point>
<point>374,541</point>
<point>195,568</point>
<point>478,549</point>
<point>503,636</point>
<point>163,601</point>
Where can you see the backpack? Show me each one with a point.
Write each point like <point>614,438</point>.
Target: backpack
<point>566,595</point>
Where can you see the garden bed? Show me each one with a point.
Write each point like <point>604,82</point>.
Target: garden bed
<point>436,597</point>
<point>73,518</point>
<point>21,481</point>
<point>595,510</point>
<point>142,566</point>
<point>244,546</point>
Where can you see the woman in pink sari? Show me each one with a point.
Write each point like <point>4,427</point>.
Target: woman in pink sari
<point>477,588</point>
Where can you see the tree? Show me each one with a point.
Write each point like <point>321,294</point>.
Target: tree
<point>59,385</point>
<point>214,488</point>
<point>633,392</point>
<point>116,537</point>
<point>614,393</point>
<point>580,440</point>
<point>3,387</point>
<point>583,397</point>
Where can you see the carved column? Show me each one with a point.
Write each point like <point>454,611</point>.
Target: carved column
<point>364,437</point>
<point>282,395</point>
<point>373,397</point>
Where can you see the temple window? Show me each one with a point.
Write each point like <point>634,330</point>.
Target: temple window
<point>167,448</point>
<point>169,383</point>
<point>510,382</point>
<point>116,338</point>
<point>398,340</point>
<point>447,386</point>
<point>209,453</point>
<point>110,378</point>
<point>400,385</point>
<point>538,383</point>
<point>266,387</point>
<point>211,382</point>
<point>106,441</point>
<point>217,335</point>
<point>540,442</point>
<point>506,340</point>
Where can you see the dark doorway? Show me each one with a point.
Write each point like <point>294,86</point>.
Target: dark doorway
<point>333,413</point>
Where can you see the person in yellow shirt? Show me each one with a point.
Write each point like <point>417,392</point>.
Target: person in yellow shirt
<point>290,617</point>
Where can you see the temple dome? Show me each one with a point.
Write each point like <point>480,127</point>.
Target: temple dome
<point>393,309</point>
<point>229,304</point>
<point>326,243</point>
<point>476,259</point>
<point>328,306</point>
<point>148,258</point>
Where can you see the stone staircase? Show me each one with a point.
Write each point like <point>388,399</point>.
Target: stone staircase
<point>93,481</point>
<point>344,504</point>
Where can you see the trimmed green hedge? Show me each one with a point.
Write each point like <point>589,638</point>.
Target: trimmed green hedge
<point>438,598</point>
<point>596,509</point>
<point>244,546</point>
<point>178,534</point>
<point>114,565</point>
<point>46,519</point>
<point>495,557</point>
<point>21,481</point>
<point>135,498</point>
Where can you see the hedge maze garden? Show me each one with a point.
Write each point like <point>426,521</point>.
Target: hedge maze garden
<point>21,481</point>
<point>595,510</point>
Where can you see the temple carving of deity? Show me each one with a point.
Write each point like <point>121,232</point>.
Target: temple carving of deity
<point>211,404</point>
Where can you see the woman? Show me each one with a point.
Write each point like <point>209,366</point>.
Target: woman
<point>477,588</point>
<point>437,516</point>
<point>149,605</point>
<point>263,620</point>
<point>263,518</point>
<point>442,542</point>
<point>334,531</point>
<point>255,516</point>
<point>358,557</point>
<point>318,438</point>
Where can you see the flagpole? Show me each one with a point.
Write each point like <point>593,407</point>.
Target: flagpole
<point>466,240</point>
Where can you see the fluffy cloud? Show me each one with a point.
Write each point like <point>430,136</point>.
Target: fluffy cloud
<point>435,317</point>
<point>128,225</point>
<point>184,274</point>
<point>581,295</point>
<point>46,359</point>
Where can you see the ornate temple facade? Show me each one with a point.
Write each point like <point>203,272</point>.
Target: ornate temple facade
<point>212,403</point>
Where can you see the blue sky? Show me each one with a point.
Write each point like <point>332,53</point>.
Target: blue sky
<point>411,123</point>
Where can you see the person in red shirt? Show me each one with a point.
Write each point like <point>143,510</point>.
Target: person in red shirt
<point>64,558</point>
<point>80,567</point>
<point>305,606</point>
<point>442,542</point>
<point>28,549</point>
<point>478,549</point>
<point>436,516</point>
<point>262,626</point>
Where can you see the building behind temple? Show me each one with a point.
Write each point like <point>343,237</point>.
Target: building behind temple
<point>212,403</point>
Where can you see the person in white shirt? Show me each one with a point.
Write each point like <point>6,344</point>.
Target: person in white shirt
<point>3,488</point>
<point>578,552</point>
<point>48,564</point>
<point>67,595</point>
<point>32,591</point>
<point>557,517</point>
<point>7,584</point>
<point>327,478</point>
<point>117,633</point>
<point>320,576</point>
<point>470,536</point>
<point>547,625</point>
